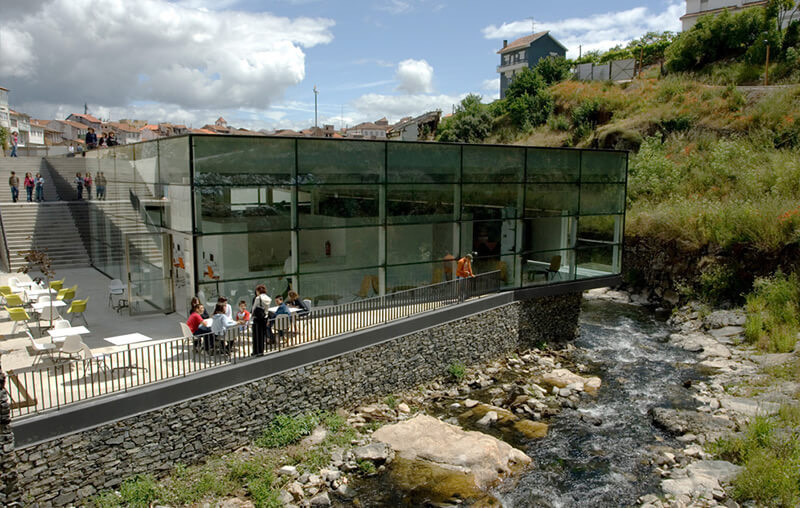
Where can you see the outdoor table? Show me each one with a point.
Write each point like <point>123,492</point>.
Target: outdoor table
<point>25,284</point>
<point>40,306</point>
<point>127,340</point>
<point>63,332</point>
<point>292,310</point>
<point>34,294</point>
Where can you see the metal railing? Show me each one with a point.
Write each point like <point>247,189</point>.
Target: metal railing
<point>33,390</point>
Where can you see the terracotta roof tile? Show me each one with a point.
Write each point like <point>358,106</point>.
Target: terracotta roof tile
<point>90,118</point>
<point>522,42</point>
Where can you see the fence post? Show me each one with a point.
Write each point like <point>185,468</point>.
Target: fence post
<point>9,494</point>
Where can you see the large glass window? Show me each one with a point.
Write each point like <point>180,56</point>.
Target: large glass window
<point>497,201</point>
<point>543,199</point>
<point>420,243</point>
<point>553,165</point>
<point>599,166</point>
<point>173,161</point>
<point>236,209</point>
<point>420,203</point>
<point>602,198</point>
<point>493,164</point>
<point>330,250</point>
<point>243,161</point>
<point>337,205</point>
<point>245,255</point>
<point>328,161</point>
<point>422,162</point>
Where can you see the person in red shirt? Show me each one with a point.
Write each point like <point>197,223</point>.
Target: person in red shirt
<point>243,316</point>
<point>195,321</point>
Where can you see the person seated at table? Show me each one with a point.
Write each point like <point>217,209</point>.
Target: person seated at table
<point>282,309</point>
<point>294,300</point>
<point>220,322</point>
<point>242,317</point>
<point>196,301</point>
<point>228,310</point>
<point>195,324</point>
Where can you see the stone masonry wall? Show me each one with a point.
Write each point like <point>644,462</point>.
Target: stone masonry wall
<point>73,467</point>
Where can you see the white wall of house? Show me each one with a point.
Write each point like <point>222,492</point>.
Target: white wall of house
<point>36,136</point>
<point>5,120</point>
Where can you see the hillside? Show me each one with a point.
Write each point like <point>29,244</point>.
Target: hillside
<point>714,176</point>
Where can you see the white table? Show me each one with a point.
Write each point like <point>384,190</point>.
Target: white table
<point>40,306</point>
<point>127,340</point>
<point>63,332</point>
<point>292,310</point>
<point>25,284</point>
<point>34,294</point>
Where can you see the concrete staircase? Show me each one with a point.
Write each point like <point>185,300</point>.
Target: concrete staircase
<point>45,226</point>
<point>22,165</point>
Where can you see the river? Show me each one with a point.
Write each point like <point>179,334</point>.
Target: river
<point>595,454</point>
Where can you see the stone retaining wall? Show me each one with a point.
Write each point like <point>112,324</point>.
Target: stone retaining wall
<point>70,468</point>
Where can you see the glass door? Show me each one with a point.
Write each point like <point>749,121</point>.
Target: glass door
<point>149,261</point>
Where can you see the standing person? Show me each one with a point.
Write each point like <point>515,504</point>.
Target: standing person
<point>79,185</point>
<point>100,183</point>
<point>71,150</point>
<point>39,181</point>
<point>28,183</point>
<point>91,139</point>
<point>13,182</point>
<point>87,182</point>
<point>242,316</point>
<point>259,316</point>
<point>464,273</point>
<point>14,143</point>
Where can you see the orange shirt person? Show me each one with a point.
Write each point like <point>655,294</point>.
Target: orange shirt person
<point>464,268</point>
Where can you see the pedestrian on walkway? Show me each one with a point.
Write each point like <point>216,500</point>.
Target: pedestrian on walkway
<point>87,182</point>
<point>91,139</point>
<point>100,183</point>
<point>14,143</point>
<point>13,182</point>
<point>79,185</point>
<point>28,183</point>
<point>39,181</point>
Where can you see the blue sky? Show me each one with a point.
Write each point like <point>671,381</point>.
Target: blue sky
<point>256,62</point>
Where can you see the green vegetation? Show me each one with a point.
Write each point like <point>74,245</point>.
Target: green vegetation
<point>470,123</point>
<point>772,313</point>
<point>457,370</point>
<point>250,475</point>
<point>650,47</point>
<point>391,401</point>
<point>366,467</point>
<point>769,451</point>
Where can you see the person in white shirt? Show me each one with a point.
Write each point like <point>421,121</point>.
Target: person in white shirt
<point>220,323</point>
<point>228,309</point>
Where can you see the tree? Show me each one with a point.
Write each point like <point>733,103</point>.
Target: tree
<point>553,69</point>
<point>39,261</point>
<point>780,11</point>
<point>528,101</point>
<point>471,122</point>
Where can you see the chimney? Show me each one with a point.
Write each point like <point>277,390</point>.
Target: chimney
<point>505,43</point>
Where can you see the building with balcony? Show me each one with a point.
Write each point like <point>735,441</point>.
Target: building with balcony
<point>5,116</point>
<point>525,52</point>
<point>340,219</point>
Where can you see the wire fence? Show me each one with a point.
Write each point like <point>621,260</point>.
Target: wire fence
<point>35,390</point>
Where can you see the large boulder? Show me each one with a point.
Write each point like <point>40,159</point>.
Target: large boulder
<point>562,378</point>
<point>478,457</point>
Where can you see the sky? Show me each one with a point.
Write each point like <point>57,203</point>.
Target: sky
<point>256,63</point>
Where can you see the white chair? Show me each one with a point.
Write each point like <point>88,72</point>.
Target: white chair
<point>188,335</point>
<point>62,323</point>
<point>282,325</point>
<point>91,358</point>
<point>115,288</point>
<point>73,345</point>
<point>13,283</point>
<point>50,313</point>
<point>41,349</point>
<point>308,303</point>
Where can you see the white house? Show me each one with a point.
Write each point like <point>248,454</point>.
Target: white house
<point>369,130</point>
<point>21,123</point>
<point>697,8</point>
<point>5,118</point>
<point>124,133</point>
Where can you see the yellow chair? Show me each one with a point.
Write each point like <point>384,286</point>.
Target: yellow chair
<point>77,308</point>
<point>67,294</point>
<point>57,284</point>
<point>5,291</point>
<point>14,300</point>
<point>18,315</point>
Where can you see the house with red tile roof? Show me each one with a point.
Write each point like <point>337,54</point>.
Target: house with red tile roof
<point>125,133</point>
<point>525,52</point>
<point>87,120</point>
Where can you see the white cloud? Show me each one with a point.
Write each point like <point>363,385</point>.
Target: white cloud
<point>415,76</point>
<point>173,54</point>
<point>491,84</point>
<point>597,31</point>
<point>394,6</point>
<point>374,106</point>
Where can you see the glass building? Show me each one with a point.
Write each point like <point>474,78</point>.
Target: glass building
<point>340,220</point>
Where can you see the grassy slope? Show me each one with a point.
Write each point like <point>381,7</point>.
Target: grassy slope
<point>713,168</point>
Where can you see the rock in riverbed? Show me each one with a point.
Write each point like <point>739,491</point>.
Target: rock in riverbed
<point>480,457</point>
<point>562,378</point>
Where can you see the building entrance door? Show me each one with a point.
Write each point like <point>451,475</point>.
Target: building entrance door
<point>149,261</point>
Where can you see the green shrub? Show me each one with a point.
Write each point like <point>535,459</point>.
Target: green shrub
<point>262,493</point>
<point>717,283</point>
<point>457,370</point>
<point>772,320</point>
<point>284,430</point>
<point>139,491</point>
<point>470,123</point>
<point>768,480</point>
<point>366,467</point>
<point>390,401</point>
<point>553,69</point>
<point>558,122</point>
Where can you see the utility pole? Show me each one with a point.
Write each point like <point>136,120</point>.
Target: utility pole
<point>316,92</point>
<point>766,67</point>
<point>580,48</point>
<point>533,25</point>
<point>85,109</point>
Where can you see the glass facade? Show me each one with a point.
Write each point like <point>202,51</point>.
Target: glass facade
<point>339,220</point>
